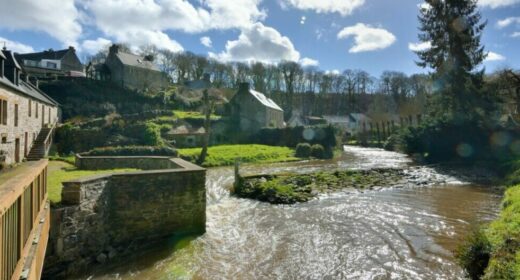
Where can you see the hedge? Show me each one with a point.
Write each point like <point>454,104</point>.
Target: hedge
<point>132,151</point>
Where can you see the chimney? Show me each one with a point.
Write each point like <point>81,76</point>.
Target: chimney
<point>11,67</point>
<point>149,57</point>
<point>114,49</point>
<point>72,48</point>
<point>243,87</point>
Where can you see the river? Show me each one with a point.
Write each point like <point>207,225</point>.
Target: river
<point>407,232</point>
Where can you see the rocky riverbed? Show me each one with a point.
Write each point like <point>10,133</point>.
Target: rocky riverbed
<point>289,188</point>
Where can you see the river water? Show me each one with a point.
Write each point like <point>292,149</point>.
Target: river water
<point>406,232</point>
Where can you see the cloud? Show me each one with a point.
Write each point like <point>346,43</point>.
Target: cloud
<point>343,7</point>
<point>515,35</point>
<point>16,47</point>
<point>493,4</point>
<point>206,41</point>
<point>94,46</point>
<point>508,21</point>
<point>303,19</point>
<point>418,47</point>
<point>367,38</point>
<point>492,56</point>
<point>259,43</point>
<point>332,72</point>
<point>58,18</point>
<point>306,62</point>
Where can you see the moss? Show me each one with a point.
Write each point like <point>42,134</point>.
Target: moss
<point>293,188</point>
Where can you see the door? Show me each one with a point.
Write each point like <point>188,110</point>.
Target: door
<point>26,145</point>
<point>17,150</point>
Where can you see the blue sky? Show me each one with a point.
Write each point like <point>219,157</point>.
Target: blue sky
<point>373,35</point>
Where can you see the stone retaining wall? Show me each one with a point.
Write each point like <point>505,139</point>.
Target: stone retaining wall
<point>107,217</point>
<point>113,162</point>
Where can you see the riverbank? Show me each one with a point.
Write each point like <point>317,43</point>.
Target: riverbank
<point>294,188</point>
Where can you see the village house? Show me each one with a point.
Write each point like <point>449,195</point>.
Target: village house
<point>253,110</point>
<point>186,135</point>
<point>27,115</point>
<point>51,64</point>
<point>132,71</point>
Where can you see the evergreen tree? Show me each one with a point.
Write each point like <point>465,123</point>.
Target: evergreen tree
<point>454,29</point>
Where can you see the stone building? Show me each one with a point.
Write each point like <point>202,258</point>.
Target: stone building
<point>134,71</point>
<point>26,114</point>
<point>50,64</point>
<point>253,110</point>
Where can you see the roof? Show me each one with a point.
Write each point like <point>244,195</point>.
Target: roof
<point>10,59</point>
<point>337,119</point>
<point>136,61</point>
<point>265,100</point>
<point>29,90</point>
<point>359,117</point>
<point>2,55</point>
<point>186,129</point>
<point>48,54</point>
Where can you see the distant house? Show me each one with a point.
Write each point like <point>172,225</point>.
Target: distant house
<point>50,64</point>
<point>339,121</point>
<point>253,110</point>
<point>134,71</point>
<point>27,115</point>
<point>186,136</point>
<point>358,123</point>
<point>298,119</point>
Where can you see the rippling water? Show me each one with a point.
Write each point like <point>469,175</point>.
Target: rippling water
<point>399,233</point>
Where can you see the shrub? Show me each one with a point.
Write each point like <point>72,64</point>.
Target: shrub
<point>318,151</point>
<point>474,254</point>
<point>291,136</point>
<point>132,151</point>
<point>303,150</point>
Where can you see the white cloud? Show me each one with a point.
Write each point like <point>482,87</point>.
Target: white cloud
<point>305,62</point>
<point>417,47</point>
<point>508,21</point>
<point>492,56</point>
<point>145,21</point>
<point>206,41</point>
<point>57,18</point>
<point>14,46</point>
<point>303,19</point>
<point>515,35</point>
<point>343,7</point>
<point>367,38</point>
<point>94,46</point>
<point>332,72</point>
<point>493,4</point>
<point>259,43</point>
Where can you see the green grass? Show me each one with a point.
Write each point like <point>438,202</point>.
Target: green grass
<point>504,236</point>
<point>192,115</point>
<point>226,154</point>
<point>68,159</point>
<point>59,172</point>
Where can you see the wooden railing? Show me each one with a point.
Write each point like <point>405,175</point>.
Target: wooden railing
<point>48,140</point>
<point>23,210</point>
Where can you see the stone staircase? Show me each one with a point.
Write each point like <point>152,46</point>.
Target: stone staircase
<point>38,150</point>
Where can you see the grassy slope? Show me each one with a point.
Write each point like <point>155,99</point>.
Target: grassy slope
<point>504,236</point>
<point>226,154</point>
<point>59,171</point>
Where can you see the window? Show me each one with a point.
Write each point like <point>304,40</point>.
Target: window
<point>51,65</point>
<point>16,115</point>
<point>3,112</point>
<point>30,107</point>
<point>36,115</point>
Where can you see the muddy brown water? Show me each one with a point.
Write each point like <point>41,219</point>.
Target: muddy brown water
<point>407,232</point>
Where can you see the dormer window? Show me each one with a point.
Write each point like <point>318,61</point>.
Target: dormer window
<point>51,65</point>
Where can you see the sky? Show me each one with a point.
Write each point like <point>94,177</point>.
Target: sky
<point>334,35</point>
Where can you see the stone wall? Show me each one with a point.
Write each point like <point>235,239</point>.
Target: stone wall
<point>112,162</point>
<point>107,217</point>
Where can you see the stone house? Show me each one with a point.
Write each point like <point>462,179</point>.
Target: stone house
<point>50,64</point>
<point>134,71</point>
<point>26,113</point>
<point>186,135</point>
<point>252,110</point>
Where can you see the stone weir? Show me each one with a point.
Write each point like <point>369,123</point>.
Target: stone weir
<point>108,217</point>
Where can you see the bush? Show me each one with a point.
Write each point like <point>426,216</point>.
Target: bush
<point>303,150</point>
<point>474,254</point>
<point>292,136</point>
<point>132,151</point>
<point>318,151</point>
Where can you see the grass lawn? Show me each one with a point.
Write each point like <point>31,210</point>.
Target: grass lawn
<point>226,154</point>
<point>192,115</point>
<point>59,171</point>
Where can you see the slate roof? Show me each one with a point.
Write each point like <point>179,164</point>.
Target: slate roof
<point>186,129</point>
<point>136,61</point>
<point>10,59</point>
<point>48,54</point>
<point>29,90</point>
<point>265,100</point>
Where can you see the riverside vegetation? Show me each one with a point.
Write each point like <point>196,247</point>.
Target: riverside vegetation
<point>294,188</point>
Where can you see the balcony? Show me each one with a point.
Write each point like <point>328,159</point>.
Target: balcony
<point>24,221</point>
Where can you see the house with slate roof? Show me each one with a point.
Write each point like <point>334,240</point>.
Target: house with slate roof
<point>27,115</point>
<point>253,110</point>
<point>134,71</point>
<point>50,64</point>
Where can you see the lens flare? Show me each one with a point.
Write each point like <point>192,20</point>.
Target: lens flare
<point>464,150</point>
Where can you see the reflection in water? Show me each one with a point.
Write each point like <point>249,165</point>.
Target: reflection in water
<point>402,233</point>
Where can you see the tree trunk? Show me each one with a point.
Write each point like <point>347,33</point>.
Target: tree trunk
<point>207,126</point>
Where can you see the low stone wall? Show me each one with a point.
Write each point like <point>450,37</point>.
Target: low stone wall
<point>111,216</point>
<point>113,162</point>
